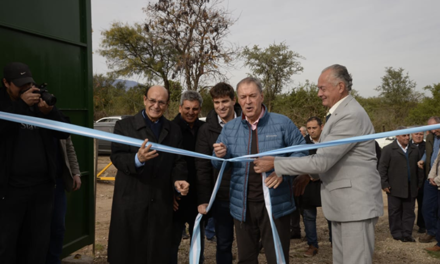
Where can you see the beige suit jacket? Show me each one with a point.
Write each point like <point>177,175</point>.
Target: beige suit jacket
<point>351,188</point>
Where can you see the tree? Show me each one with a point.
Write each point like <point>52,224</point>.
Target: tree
<point>105,93</point>
<point>398,92</point>
<point>428,106</point>
<point>196,29</point>
<point>274,65</point>
<point>179,39</point>
<point>300,104</point>
<point>131,50</point>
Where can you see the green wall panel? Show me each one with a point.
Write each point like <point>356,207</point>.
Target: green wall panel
<point>54,38</point>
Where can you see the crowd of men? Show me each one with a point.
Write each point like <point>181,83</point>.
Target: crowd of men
<point>157,194</point>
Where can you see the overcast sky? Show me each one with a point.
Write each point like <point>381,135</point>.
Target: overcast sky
<point>365,36</point>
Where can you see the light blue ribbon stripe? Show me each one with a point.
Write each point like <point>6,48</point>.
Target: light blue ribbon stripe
<point>341,141</point>
<point>196,242</point>
<point>196,248</point>
<point>93,133</point>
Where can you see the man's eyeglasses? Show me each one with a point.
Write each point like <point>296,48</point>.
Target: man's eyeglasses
<point>154,101</point>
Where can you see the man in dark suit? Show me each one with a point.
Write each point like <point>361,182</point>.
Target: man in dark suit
<point>401,180</point>
<point>417,140</point>
<point>142,210</point>
<point>186,207</point>
<point>350,191</point>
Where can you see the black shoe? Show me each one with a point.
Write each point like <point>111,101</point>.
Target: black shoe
<point>295,236</point>
<point>408,239</point>
<point>421,230</point>
<point>398,238</point>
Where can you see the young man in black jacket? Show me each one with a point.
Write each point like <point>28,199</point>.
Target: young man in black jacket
<point>27,169</point>
<point>223,97</point>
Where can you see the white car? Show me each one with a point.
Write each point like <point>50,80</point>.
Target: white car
<point>385,141</point>
<point>106,124</point>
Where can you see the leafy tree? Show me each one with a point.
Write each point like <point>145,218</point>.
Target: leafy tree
<point>274,65</point>
<point>105,93</point>
<point>429,106</point>
<point>398,93</point>
<point>300,104</point>
<point>131,50</point>
<point>196,29</point>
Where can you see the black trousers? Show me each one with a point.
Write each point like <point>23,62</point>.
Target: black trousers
<point>401,216</point>
<point>25,217</point>
<point>420,219</point>
<point>256,227</point>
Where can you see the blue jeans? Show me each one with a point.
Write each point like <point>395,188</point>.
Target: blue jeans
<point>224,230</point>
<point>309,217</point>
<point>57,226</point>
<point>430,208</point>
<point>210,229</point>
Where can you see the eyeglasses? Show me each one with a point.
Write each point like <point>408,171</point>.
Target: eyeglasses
<point>154,101</point>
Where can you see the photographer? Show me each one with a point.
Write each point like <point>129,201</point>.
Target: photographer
<point>27,169</point>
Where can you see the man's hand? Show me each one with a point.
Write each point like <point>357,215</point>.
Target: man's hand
<point>145,154</point>
<point>182,187</point>
<point>202,208</point>
<point>76,182</point>
<point>44,107</point>
<point>176,203</point>
<point>220,150</point>
<point>29,97</point>
<point>432,182</point>
<point>264,164</point>
<point>273,181</point>
<point>387,190</point>
<point>300,183</point>
<point>420,163</point>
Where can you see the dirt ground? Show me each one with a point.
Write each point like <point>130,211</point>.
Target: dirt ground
<point>387,250</point>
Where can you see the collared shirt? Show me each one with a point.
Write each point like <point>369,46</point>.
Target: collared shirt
<point>333,108</point>
<point>221,122</point>
<point>254,124</point>
<point>403,149</point>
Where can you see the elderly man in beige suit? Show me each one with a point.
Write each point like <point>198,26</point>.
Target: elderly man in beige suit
<point>351,189</point>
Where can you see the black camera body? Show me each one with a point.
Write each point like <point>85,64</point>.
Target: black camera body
<point>45,95</point>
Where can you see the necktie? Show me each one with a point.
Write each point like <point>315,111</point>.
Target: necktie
<point>327,117</point>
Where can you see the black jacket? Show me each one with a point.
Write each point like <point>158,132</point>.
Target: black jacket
<point>189,202</point>
<point>9,132</point>
<point>393,170</point>
<point>206,174</point>
<point>312,194</point>
<point>142,211</point>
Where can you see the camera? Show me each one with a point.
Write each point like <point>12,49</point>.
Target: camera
<point>45,95</point>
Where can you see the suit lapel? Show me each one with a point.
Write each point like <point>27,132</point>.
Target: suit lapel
<point>143,130</point>
<point>334,117</point>
<point>164,131</point>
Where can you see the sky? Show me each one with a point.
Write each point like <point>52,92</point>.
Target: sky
<point>366,36</point>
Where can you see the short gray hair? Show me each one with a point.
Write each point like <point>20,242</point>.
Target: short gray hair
<point>340,73</point>
<point>253,80</point>
<point>435,118</point>
<point>191,96</point>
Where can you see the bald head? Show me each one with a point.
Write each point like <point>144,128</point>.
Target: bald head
<point>156,102</point>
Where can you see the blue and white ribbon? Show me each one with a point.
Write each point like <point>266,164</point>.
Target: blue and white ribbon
<point>195,250</point>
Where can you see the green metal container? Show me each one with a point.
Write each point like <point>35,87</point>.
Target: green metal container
<point>54,38</point>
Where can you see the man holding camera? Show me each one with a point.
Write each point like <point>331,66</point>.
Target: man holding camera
<point>27,169</point>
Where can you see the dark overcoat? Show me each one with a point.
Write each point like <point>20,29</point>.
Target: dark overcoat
<point>393,170</point>
<point>142,210</point>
